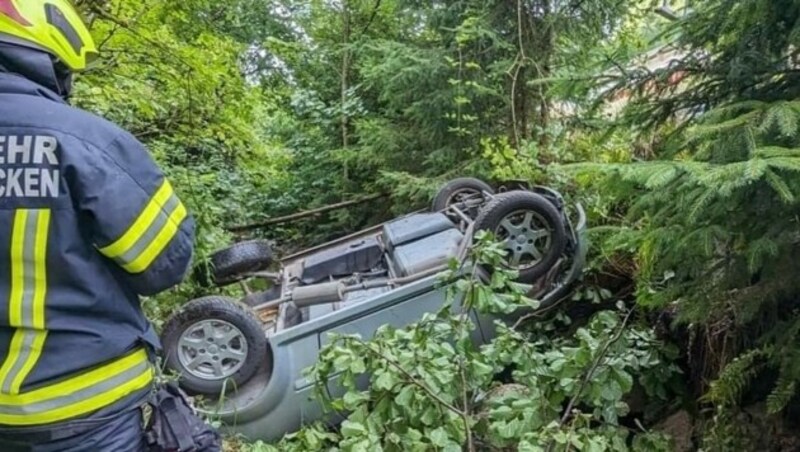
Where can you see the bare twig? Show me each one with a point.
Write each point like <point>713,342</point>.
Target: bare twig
<point>519,63</point>
<point>372,16</point>
<point>514,82</point>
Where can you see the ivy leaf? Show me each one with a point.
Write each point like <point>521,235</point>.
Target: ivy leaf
<point>404,398</point>
<point>479,369</point>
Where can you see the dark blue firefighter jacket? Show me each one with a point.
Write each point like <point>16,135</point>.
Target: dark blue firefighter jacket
<point>88,223</point>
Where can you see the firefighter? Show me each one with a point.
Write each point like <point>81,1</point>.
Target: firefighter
<point>88,224</point>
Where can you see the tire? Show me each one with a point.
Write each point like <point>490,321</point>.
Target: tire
<point>516,206</point>
<point>223,315</point>
<point>449,193</point>
<point>232,264</point>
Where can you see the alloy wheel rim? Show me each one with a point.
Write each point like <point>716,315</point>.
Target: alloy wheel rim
<point>212,349</point>
<point>527,237</point>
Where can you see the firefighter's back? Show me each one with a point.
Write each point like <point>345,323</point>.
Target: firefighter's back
<point>88,224</point>
<point>68,309</point>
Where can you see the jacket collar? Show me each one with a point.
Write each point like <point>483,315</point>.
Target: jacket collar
<point>16,84</point>
<point>37,67</point>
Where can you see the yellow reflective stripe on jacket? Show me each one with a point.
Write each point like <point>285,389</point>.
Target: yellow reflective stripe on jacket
<point>150,233</point>
<point>165,235</point>
<point>79,395</point>
<point>27,297</point>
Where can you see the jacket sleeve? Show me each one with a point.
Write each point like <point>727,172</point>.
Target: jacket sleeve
<point>135,217</point>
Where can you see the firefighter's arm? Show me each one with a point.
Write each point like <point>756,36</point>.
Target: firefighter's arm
<point>137,220</point>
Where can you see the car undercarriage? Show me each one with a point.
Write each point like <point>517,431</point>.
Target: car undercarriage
<point>247,357</point>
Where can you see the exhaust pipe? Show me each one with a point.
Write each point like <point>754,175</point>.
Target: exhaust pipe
<point>305,296</point>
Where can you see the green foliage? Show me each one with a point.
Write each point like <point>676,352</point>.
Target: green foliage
<point>710,215</point>
<point>174,79</point>
<point>406,92</point>
<point>432,388</point>
<point>727,389</point>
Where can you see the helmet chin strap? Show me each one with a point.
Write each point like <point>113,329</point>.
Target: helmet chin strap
<point>63,79</point>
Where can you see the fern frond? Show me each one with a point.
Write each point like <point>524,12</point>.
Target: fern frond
<point>783,393</point>
<point>735,378</point>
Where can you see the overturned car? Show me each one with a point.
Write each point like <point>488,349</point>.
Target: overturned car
<point>248,356</point>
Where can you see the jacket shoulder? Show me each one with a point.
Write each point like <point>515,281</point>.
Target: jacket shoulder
<point>84,125</point>
<point>44,115</point>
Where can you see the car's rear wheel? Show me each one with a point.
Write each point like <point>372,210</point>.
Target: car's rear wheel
<point>236,262</point>
<point>530,227</point>
<point>467,191</point>
<point>215,344</point>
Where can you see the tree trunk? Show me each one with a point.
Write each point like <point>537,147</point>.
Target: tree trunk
<point>547,49</point>
<point>345,83</point>
<point>520,105</point>
<point>346,30</point>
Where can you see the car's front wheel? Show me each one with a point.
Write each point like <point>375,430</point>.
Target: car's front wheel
<point>215,344</point>
<point>531,229</point>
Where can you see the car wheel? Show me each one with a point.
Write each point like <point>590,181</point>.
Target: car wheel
<point>232,264</point>
<point>214,343</point>
<point>459,191</point>
<point>530,227</point>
